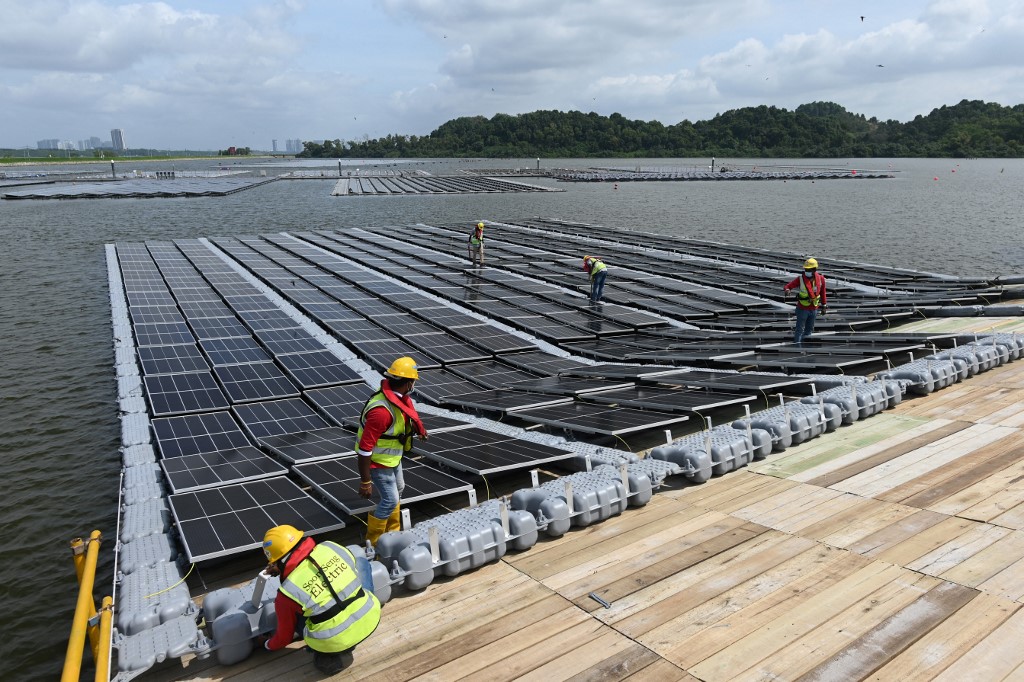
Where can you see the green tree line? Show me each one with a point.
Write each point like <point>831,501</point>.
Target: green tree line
<point>815,130</point>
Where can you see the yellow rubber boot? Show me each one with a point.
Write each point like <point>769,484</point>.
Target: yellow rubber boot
<point>374,528</point>
<point>394,521</point>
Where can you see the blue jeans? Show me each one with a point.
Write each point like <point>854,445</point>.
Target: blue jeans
<point>597,286</point>
<point>804,324</point>
<point>389,482</point>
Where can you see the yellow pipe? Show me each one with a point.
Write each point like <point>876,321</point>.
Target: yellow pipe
<point>103,651</point>
<point>78,554</point>
<point>80,624</point>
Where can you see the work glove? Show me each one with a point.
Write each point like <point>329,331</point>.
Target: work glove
<point>823,310</point>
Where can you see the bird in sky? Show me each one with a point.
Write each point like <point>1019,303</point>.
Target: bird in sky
<point>881,66</point>
<point>862,19</point>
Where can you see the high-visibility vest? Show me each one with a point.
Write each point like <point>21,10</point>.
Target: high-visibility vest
<point>596,266</point>
<point>332,625</point>
<point>810,297</point>
<point>476,238</point>
<point>393,442</point>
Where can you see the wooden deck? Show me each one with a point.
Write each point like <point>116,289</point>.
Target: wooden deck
<point>892,549</point>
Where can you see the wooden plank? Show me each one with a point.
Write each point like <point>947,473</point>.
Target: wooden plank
<point>770,511</point>
<point>844,518</point>
<point>871,455</point>
<point>744,567</point>
<point>953,553</point>
<point>749,488</point>
<point>990,561</point>
<point>662,671</point>
<point>895,533</point>
<point>651,547</point>
<point>892,636</point>
<point>980,491</point>
<point>697,643</point>
<point>626,662</point>
<point>994,657</point>
<point>776,635</point>
<point>811,516</point>
<point>576,660</point>
<point>628,577</point>
<point>927,540</point>
<point>968,470</point>
<point>737,483</point>
<point>1008,582</point>
<point>876,519</point>
<point>821,642</point>
<point>918,462</point>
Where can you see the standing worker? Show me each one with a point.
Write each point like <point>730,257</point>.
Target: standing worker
<point>598,273</point>
<point>810,298</point>
<point>476,244</point>
<point>387,425</point>
<point>320,585</point>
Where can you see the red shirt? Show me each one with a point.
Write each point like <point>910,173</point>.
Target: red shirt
<point>287,609</point>
<point>819,283</point>
<point>378,420</point>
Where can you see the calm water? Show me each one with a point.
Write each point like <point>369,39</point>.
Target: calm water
<point>59,431</point>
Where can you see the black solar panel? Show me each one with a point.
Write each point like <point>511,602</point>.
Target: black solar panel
<point>156,314</point>
<point>233,519</point>
<point>175,359</point>
<point>541,363</point>
<point>197,309</point>
<point>670,399</point>
<point>287,340</point>
<point>218,328</point>
<point>446,348</point>
<point>600,419</point>
<point>267,319</point>
<point>182,393</point>
<point>342,404</point>
<point>482,452</point>
<point>735,380</point>
<point>198,433</point>
<point>255,381</point>
<point>234,351</point>
<point>338,481</point>
<point>491,373</point>
<point>317,368</point>
<point>211,469</point>
<point>492,339</point>
<point>308,446</point>
<point>503,400</point>
<point>381,354</point>
<point>435,385</point>
<point>278,417</point>
<point>162,334</point>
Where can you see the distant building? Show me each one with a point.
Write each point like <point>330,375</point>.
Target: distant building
<point>293,146</point>
<point>274,143</point>
<point>48,144</point>
<point>117,140</point>
<point>92,143</point>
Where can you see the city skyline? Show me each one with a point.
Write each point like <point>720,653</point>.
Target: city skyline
<point>208,75</point>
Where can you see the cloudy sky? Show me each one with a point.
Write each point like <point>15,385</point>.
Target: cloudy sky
<point>199,74</point>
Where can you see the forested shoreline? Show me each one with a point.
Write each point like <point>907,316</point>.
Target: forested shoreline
<point>815,130</point>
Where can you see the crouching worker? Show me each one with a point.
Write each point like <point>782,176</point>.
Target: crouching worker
<point>320,596</point>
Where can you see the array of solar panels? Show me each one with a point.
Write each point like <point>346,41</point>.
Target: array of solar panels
<point>139,188</point>
<point>432,184</point>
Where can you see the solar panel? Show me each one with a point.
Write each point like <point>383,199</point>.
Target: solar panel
<point>338,481</point>
<point>492,339</point>
<point>181,393</point>
<point>342,404</point>
<point>446,348</point>
<point>193,434</point>
<point>211,469</point>
<point>438,423</point>
<point>569,386</point>
<point>218,328</point>
<point>434,385</point>
<point>381,354</point>
<point>287,340</point>
<point>278,417</point>
<point>308,446</point>
<point>503,400</point>
<point>318,368</point>
<point>742,380</point>
<point>196,309</point>
<point>176,359</point>
<point>163,334</point>
<point>155,314</point>
<point>149,298</point>
<point>542,363</point>
<point>234,518</point>
<point>267,319</point>
<point>670,399</point>
<point>234,351</point>
<point>254,381</point>
<point>491,373</point>
<point>600,419</point>
<point>482,452</point>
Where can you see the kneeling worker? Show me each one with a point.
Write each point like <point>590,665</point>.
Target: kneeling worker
<point>386,427</point>
<point>320,584</point>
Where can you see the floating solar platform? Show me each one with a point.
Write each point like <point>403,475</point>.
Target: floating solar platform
<point>478,451</point>
<point>619,371</point>
<point>212,469</point>
<point>490,373</point>
<point>434,386</point>
<point>234,351</point>
<point>338,481</point>
<point>143,188</point>
<point>600,419</point>
<point>541,363</point>
<point>689,400</point>
<point>233,519</point>
<point>308,446</point>
<point>838,347</point>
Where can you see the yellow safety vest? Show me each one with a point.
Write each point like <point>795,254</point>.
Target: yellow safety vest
<point>810,297</point>
<point>596,266</point>
<point>332,625</point>
<point>393,442</point>
<point>474,240</point>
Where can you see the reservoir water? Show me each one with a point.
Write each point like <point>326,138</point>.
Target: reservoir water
<point>59,428</point>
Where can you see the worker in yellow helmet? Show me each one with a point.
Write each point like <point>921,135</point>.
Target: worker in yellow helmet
<point>476,244</point>
<point>321,596</point>
<point>386,428</point>
<point>598,272</point>
<point>810,298</point>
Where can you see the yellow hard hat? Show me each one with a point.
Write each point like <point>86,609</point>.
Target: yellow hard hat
<point>403,368</point>
<point>810,264</point>
<point>480,225</point>
<point>280,540</point>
